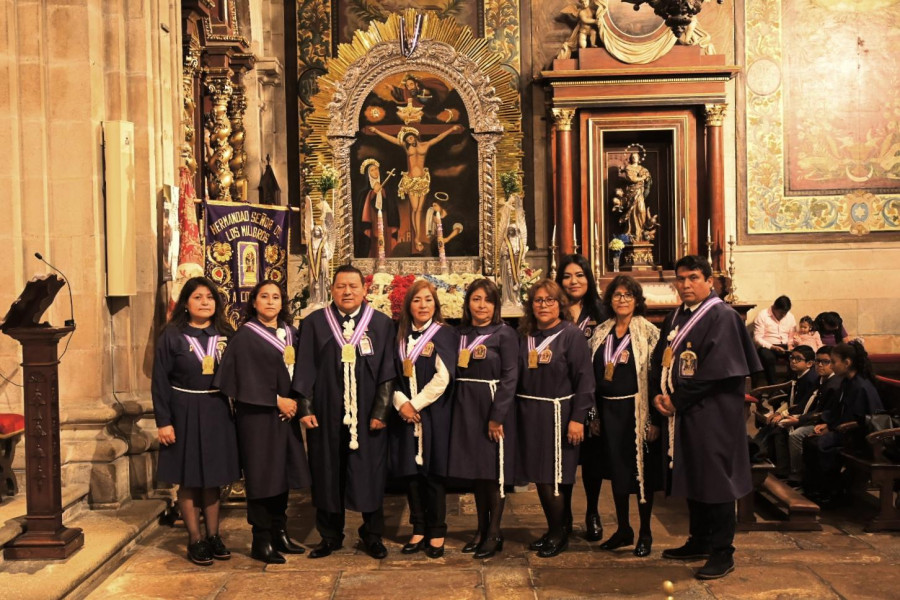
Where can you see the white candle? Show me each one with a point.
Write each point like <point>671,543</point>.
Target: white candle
<point>574,236</point>
<point>709,230</point>
<point>683,231</point>
<point>553,237</point>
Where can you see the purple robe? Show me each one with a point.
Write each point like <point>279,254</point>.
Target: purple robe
<point>473,455</point>
<point>318,376</point>
<point>436,416</point>
<point>253,372</point>
<point>712,460</point>
<point>569,372</point>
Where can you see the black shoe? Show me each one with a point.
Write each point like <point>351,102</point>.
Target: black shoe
<point>642,548</point>
<point>284,544</point>
<point>217,547</point>
<point>490,547</point>
<point>618,539</point>
<point>434,551</point>
<point>375,549</point>
<point>692,550</point>
<point>718,566</point>
<point>593,530</point>
<point>324,549</point>
<point>264,552</point>
<point>473,545</point>
<point>412,548</point>
<point>539,543</point>
<point>553,547</point>
<point>200,553</point>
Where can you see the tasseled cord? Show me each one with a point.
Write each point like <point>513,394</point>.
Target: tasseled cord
<point>557,437</point>
<point>492,383</point>
<point>351,412</point>
<point>417,427</point>
<point>665,384</point>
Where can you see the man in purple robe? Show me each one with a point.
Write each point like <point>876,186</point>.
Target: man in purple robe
<point>698,379</point>
<point>344,370</point>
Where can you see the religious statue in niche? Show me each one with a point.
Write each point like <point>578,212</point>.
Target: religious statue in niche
<point>585,32</point>
<point>513,247</point>
<point>630,201</point>
<point>415,111</point>
<point>320,241</point>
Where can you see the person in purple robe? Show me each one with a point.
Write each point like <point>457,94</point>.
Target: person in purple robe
<point>197,440</point>
<point>420,427</point>
<point>698,378</point>
<point>483,433</point>
<point>256,373</point>
<point>344,381</point>
<point>555,393</point>
<point>587,311</point>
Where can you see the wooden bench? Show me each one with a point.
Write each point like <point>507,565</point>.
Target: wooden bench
<point>12,426</point>
<point>875,470</point>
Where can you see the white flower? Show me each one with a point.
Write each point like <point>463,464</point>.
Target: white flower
<point>281,334</point>
<point>672,334</point>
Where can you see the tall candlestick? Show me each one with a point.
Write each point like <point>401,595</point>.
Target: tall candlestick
<point>380,240</point>
<point>709,229</point>
<point>442,254</point>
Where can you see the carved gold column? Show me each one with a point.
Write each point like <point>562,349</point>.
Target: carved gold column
<point>238,106</point>
<point>715,164</point>
<point>219,175</point>
<point>565,195</point>
<point>189,72</point>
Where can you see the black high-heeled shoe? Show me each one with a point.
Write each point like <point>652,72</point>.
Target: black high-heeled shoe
<point>618,539</point>
<point>593,530</point>
<point>412,548</point>
<point>642,548</point>
<point>553,547</point>
<point>474,544</point>
<point>490,547</point>
<point>539,543</point>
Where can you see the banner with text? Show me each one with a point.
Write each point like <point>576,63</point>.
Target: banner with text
<point>245,244</point>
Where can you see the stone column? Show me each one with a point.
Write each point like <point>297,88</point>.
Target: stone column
<point>715,165</point>
<point>565,195</point>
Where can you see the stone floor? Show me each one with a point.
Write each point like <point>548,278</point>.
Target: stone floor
<point>839,562</point>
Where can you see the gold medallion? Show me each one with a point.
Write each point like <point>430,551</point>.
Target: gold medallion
<point>463,360</point>
<point>209,365</point>
<point>348,353</point>
<point>407,367</point>
<point>428,350</point>
<point>668,356</point>
<point>480,352</point>
<point>532,359</point>
<point>289,356</point>
<point>545,357</point>
<point>608,371</point>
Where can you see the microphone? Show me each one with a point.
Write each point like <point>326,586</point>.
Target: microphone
<point>69,322</point>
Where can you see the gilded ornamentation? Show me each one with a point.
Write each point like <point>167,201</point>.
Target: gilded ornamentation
<point>447,49</point>
<point>189,71</point>
<point>501,28</point>
<point>563,118</point>
<point>219,176</point>
<point>238,106</point>
<point>715,114</point>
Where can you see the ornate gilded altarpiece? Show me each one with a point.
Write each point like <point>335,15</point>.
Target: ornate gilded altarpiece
<point>822,120</point>
<point>484,119</point>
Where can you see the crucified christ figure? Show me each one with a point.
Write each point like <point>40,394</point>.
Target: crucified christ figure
<point>416,180</point>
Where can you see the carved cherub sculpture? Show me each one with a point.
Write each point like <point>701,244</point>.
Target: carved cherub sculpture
<point>585,32</point>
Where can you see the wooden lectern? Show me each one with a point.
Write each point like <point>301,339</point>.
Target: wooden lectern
<point>45,537</point>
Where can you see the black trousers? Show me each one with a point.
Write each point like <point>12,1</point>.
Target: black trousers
<point>267,515</point>
<point>330,525</point>
<point>427,499</point>
<point>713,525</point>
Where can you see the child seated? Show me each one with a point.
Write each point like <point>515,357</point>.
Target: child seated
<point>806,335</point>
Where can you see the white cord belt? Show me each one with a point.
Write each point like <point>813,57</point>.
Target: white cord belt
<point>492,384</point>
<point>557,435</point>
<point>628,397</point>
<point>178,389</point>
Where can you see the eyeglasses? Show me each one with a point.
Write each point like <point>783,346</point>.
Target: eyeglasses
<point>626,297</point>
<point>823,361</point>
<point>545,301</point>
<point>797,359</point>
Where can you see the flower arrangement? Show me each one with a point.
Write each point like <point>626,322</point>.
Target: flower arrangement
<point>386,292</point>
<point>530,276</point>
<point>509,181</point>
<point>616,245</point>
<point>327,179</point>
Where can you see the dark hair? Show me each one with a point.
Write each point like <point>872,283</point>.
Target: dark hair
<point>694,262</point>
<point>808,319</point>
<point>806,351</point>
<point>180,317</point>
<point>527,324</point>
<point>831,322</point>
<point>858,357</point>
<point>347,269</point>
<point>250,312</point>
<point>824,350</point>
<point>782,303</point>
<point>634,288</point>
<point>591,300</point>
<point>493,296</point>
<point>405,325</point>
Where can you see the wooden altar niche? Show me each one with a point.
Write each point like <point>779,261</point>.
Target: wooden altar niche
<point>675,108</point>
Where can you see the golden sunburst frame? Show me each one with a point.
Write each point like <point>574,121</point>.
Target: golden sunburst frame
<point>447,49</point>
